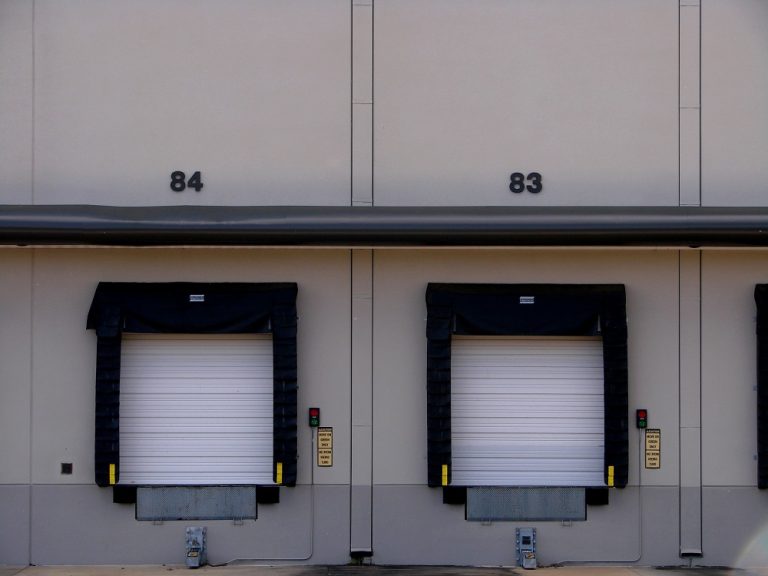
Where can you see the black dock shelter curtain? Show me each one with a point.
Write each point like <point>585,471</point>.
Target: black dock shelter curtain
<point>194,308</point>
<point>761,300</point>
<point>526,310</point>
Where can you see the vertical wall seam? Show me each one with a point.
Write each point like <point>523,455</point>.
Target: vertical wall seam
<point>701,123</point>
<point>351,111</point>
<point>34,107</point>
<point>33,128</point>
<point>373,105</point>
<point>361,530</point>
<point>690,413</point>
<point>701,291</point>
<point>362,102</point>
<point>689,103</point>
<point>369,322</point>
<point>31,395</point>
<point>701,400</point>
<point>679,115</point>
<point>351,262</point>
<point>373,388</point>
<point>351,382</point>
<point>680,399</point>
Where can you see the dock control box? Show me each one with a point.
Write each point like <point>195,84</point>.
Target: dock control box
<point>196,552</point>
<point>525,544</point>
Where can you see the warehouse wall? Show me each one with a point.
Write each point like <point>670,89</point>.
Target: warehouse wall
<point>394,103</point>
<point>49,361</point>
<point>15,406</point>
<point>729,415</point>
<point>734,119</point>
<point>652,104</point>
<point>579,92</point>
<point>47,404</point>
<point>255,95</point>
<point>651,280</point>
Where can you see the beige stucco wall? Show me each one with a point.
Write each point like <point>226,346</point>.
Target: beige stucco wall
<point>585,93</point>
<point>729,359</point>
<point>734,118</point>
<point>255,95</point>
<point>49,291</point>
<point>436,102</point>
<point>401,278</point>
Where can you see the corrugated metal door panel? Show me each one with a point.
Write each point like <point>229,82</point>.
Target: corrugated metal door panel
<point>196,409</point>
<point>527,411</point>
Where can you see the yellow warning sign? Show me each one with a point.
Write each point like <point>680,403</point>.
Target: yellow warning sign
<point>325,437</point>
<point>325,447</point>
<point>653,448</point>
<point>653,439</point>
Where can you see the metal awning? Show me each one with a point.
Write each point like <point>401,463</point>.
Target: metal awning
<point>82,225</point>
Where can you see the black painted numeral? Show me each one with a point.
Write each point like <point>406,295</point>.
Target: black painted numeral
<point>517,182</point>
<point>535,185</point>
<point>179,181</point>
<point>195,182</point>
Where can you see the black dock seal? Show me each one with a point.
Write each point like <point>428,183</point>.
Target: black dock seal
<point>498,309</point>
<point>228,308</point>
<point>761,299</point>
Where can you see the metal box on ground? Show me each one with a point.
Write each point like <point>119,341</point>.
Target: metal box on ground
<point>525,544</point>
<point>196,546</point>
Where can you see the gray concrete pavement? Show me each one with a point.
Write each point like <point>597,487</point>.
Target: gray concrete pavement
<point>370,571</point>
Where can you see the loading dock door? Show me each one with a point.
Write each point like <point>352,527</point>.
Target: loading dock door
<point>527,411</point>
<point>196,409</point>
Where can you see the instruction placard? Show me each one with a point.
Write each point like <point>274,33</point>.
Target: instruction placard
<point>325,447</point>
<point>653,448</point>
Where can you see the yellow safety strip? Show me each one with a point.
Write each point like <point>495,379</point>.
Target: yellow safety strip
<point>112,475</point>
<point>279,473</point>
<point>610,476</point>
<point>445,474</point>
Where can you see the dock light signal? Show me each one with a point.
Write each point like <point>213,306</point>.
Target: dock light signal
<point>642,418</point>
<point>314,417</point>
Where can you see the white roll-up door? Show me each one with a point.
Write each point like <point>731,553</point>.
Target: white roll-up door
<point>196,409</point>
<point>527,411</point>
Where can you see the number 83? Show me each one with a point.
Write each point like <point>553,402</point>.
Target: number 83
<point>517,182</point>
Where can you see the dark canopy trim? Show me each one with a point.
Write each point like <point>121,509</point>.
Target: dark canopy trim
<point>227,308</point>
<point>761,299</point>
<point>382,226</point>
<point>498,309</point>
